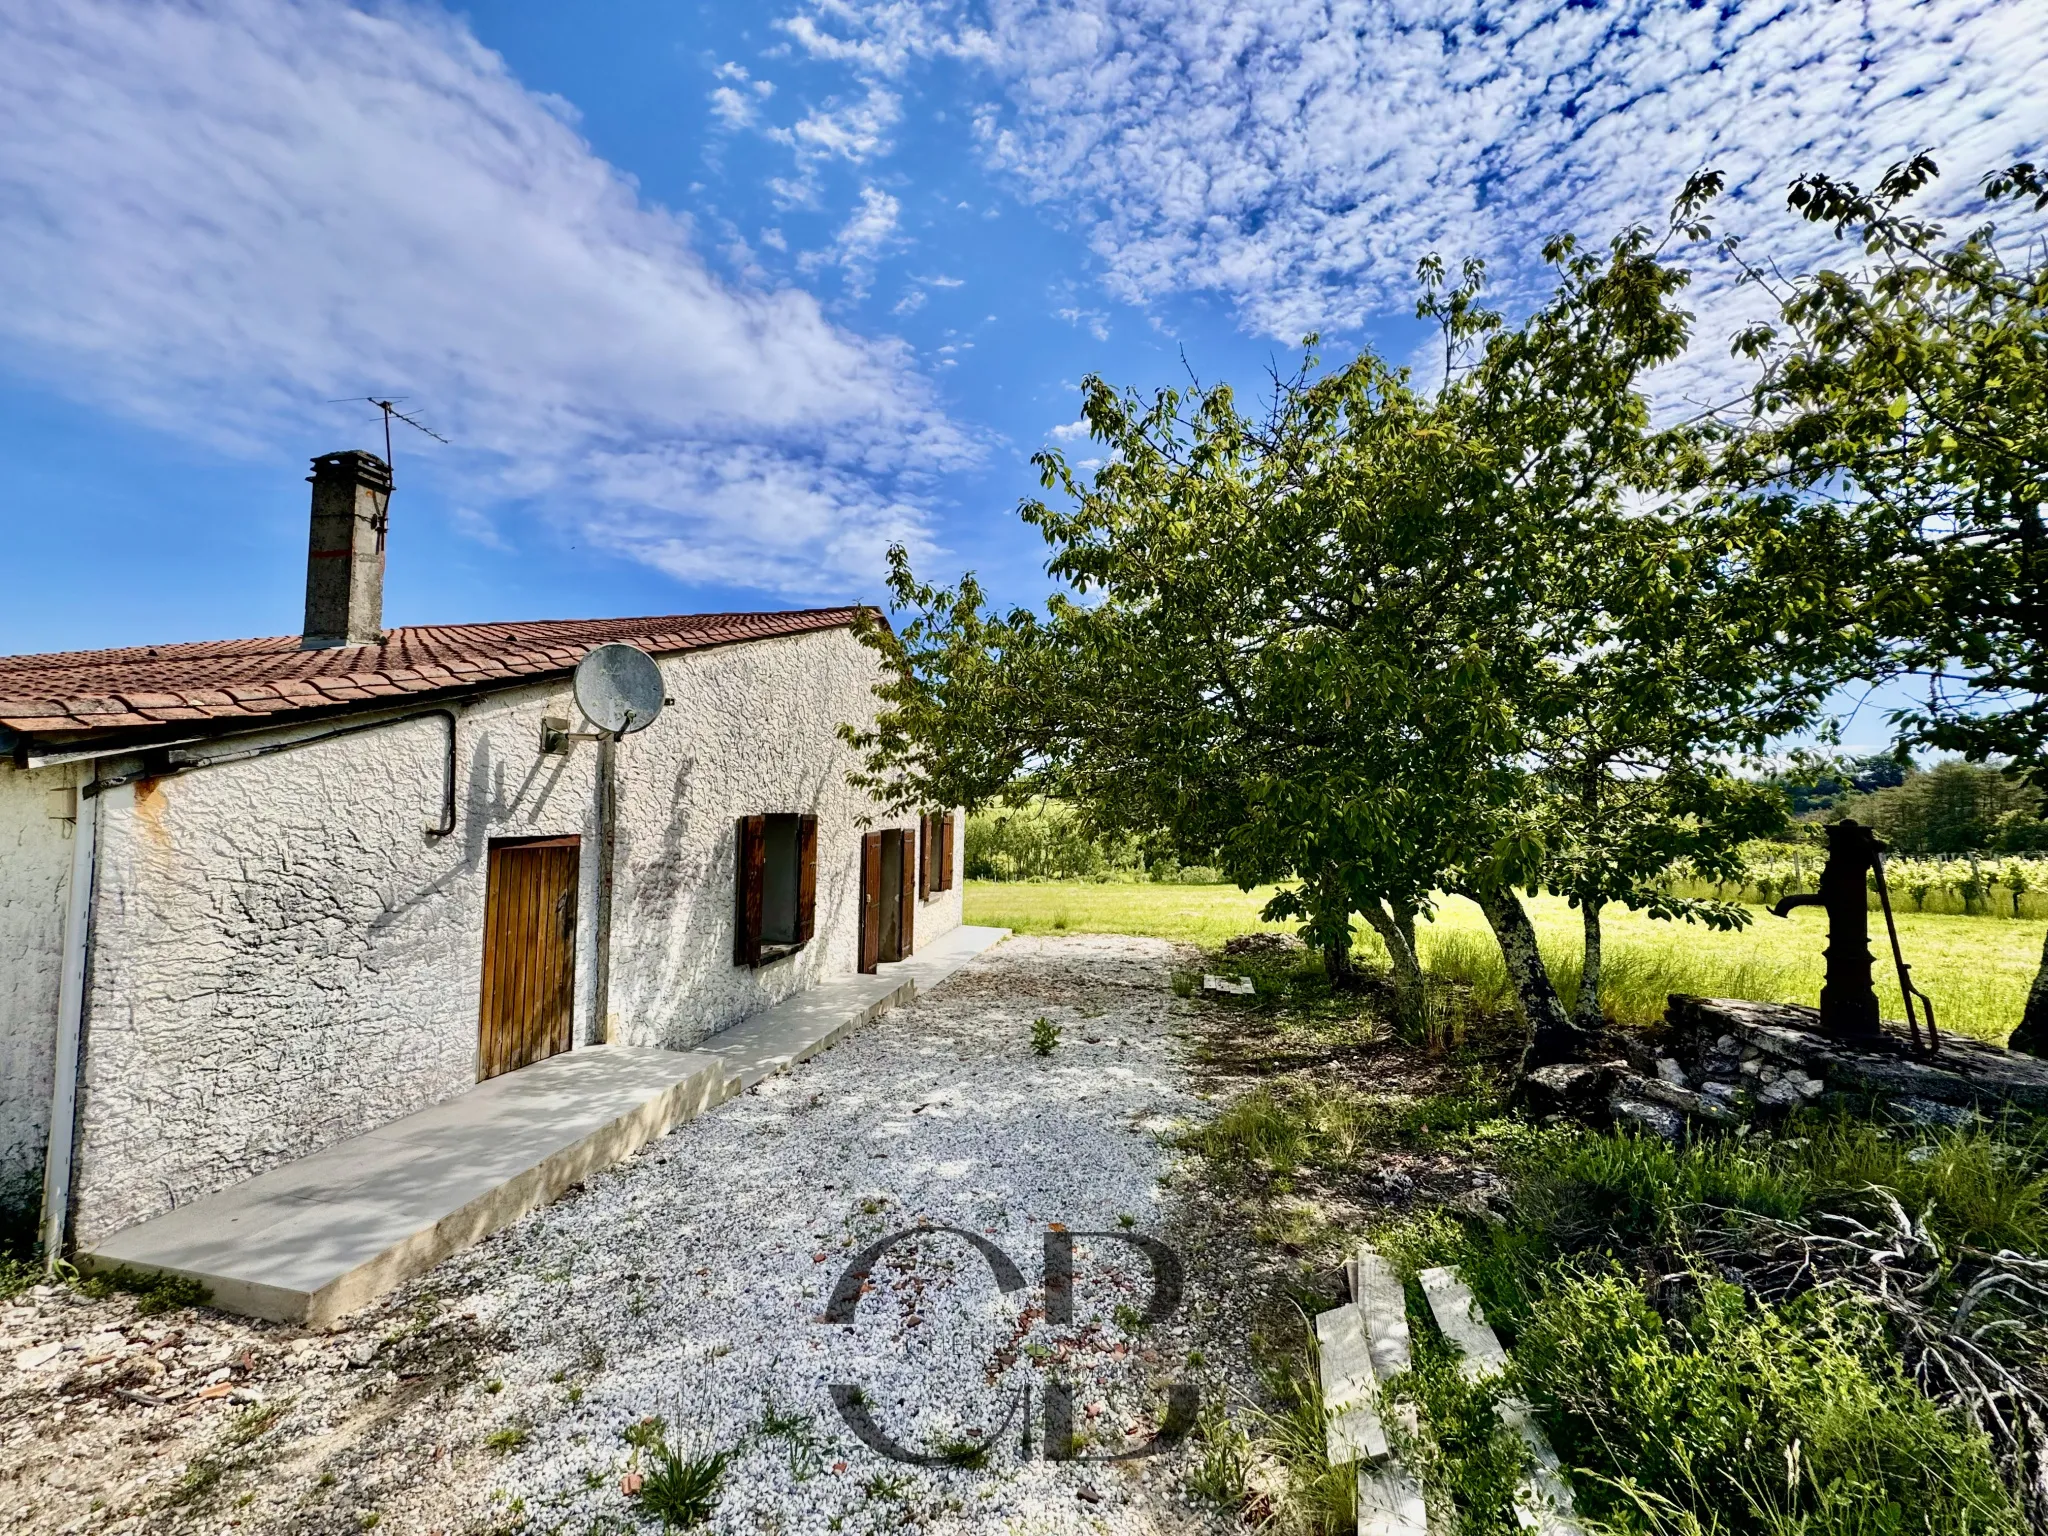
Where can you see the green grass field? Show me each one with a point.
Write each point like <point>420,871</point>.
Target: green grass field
<point>1977,969</point>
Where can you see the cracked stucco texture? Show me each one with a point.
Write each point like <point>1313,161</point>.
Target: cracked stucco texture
<point>35,878</point>
<point>283,957</point>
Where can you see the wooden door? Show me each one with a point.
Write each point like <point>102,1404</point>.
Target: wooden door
<point>870,900</point>
<point>906,897</point>
<point>528,1008</point>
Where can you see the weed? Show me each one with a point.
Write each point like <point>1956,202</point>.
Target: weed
<point>1184,983</point>
<point>16,1276</point>
<point>251,1422</point>
<point>1219,1475</point>
<point>201,1477</point>
<point>1127,1222</point>
<point>505,1441</point>
<point>1318,1497</point>
<point>1757,1418</point>
<point>1127,1317</point>
<point>885,1489</point>
<point>959,1451</point>
<point>494,1386</point>
<point>798,1431</point>
<point>1044,1036</point>
<point>154,1293</point>
<point>1468,1461</point>
<point>679,1490</point>
<point>644,1434</point>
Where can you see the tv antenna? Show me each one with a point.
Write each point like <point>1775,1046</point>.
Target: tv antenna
<point>390,409</point>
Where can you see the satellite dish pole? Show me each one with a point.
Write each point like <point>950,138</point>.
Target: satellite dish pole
<point>620,691</point>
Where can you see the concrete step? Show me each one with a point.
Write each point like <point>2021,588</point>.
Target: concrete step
<point>777,1038</point>
<point>319,1238</point>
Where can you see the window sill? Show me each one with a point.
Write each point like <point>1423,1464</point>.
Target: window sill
<point>770,953</point>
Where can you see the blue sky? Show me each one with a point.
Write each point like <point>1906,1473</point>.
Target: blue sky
<point>714,301</point>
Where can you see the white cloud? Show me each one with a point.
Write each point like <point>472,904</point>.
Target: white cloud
<point>1094,321</point>
<point>872,226</point>
<point>852,131</point>
<point>862,239</point>
<point>214,219</point>
<point>1296,157</point>
<point>1070,432</point>
<point>731,107</point>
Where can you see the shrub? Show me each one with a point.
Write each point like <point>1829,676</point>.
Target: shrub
<point>1749,1418</point>
<point>1044,1035</point>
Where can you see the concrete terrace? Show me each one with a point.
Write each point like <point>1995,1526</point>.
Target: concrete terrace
<point>319,1238</point>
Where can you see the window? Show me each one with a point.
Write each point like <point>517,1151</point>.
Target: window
<point>776,904</point>
<point>935,854</point>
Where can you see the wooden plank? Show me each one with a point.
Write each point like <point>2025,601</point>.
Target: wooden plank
<point>1390,1501</point>
<point>521,862</point>
<point>1382,1303</point>
<point>1543,1501</point>
<point>749,883</point>
<point>568,863</point>
<point>1350,1394</point>
<point>906,902</point>
<point>1457,1313</point>
<point>870,901</point>
<point>806,878</point>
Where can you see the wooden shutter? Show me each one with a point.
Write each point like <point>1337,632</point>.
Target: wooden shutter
<point>806,878</point>
<point>906,905</point>
<point>871,901</point>
<point>946,852</point>
<point>924,858</point>
<point>752,875</point>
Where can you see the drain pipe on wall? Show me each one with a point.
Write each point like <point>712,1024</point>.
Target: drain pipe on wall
<point>607,836</point>
<point>70,1022</point>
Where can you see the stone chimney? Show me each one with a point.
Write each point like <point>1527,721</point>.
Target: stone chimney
<point>345,556</point>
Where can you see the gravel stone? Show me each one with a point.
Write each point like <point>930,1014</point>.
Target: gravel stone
<point>693,1283</point>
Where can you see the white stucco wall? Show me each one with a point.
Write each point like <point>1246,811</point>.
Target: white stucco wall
<point>283,958</point>
<point>35,876</point>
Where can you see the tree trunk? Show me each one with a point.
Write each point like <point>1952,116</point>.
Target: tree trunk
<point>2032,1035</point>
<point>1337,955</point>
<point>1552,1038</point>
<point>1396,928</point>
<point>1587,1015</point>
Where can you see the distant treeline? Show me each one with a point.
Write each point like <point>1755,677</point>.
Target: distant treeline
<point>1045,841</point>
<point>1953,809</point>
<point>1954,817</point>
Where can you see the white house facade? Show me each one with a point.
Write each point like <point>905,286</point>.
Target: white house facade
<point>258,897</point>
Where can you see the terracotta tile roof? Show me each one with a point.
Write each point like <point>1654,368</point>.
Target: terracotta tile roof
<point>142,689</point>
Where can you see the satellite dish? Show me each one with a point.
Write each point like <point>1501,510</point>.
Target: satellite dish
<point>618,688</point>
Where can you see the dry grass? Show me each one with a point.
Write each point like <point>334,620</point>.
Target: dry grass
<point>1976,969</point>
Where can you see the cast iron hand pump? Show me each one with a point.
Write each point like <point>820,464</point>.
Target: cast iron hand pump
<point>1848,1001</point>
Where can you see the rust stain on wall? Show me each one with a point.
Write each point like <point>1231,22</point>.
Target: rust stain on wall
<point>150,805</point>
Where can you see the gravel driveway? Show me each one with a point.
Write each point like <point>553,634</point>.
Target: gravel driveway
<point>692,1284</point>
